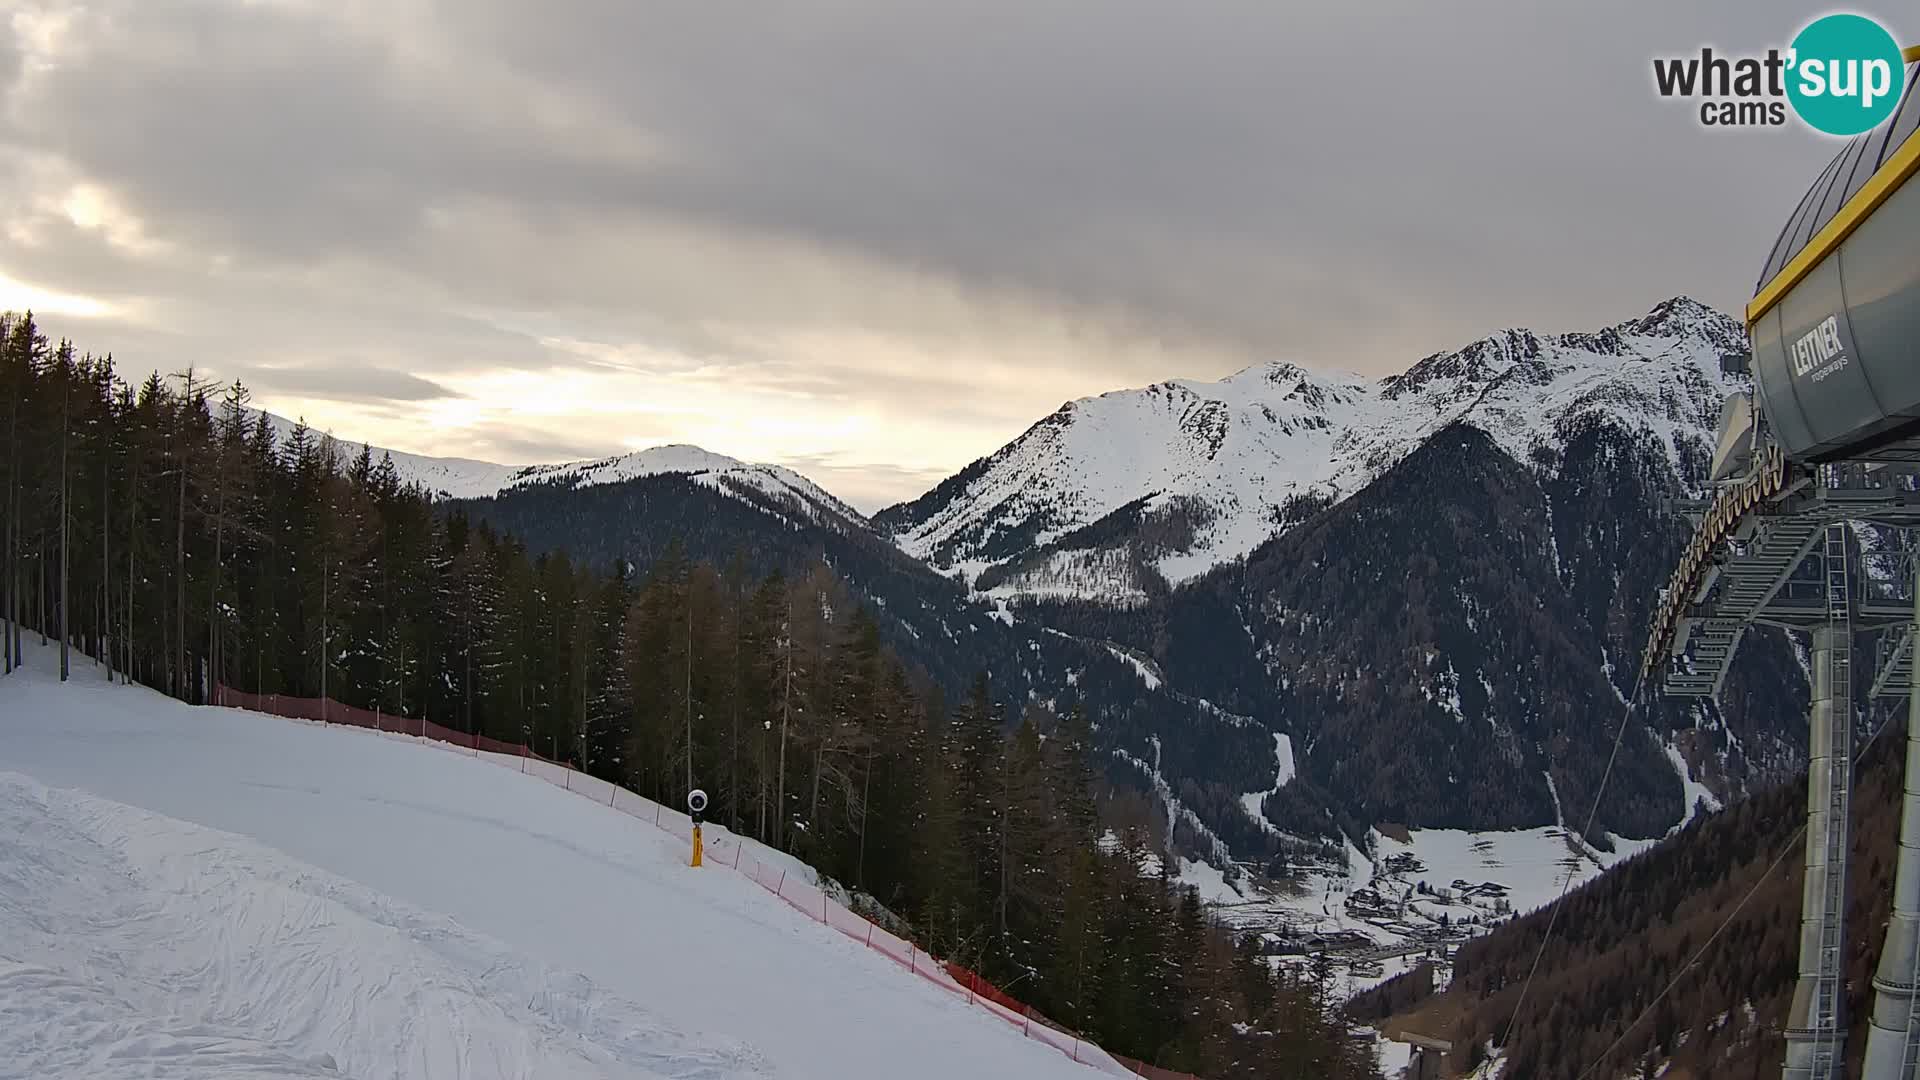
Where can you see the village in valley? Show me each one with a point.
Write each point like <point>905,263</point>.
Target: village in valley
<point>1412,903</point>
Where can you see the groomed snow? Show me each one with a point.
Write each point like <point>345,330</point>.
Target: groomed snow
<point>137,945</point>
<point>377,907</point>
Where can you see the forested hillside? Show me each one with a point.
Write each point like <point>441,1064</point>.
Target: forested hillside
<point>1450,645</point>
<point>1436,584</point>
<point>1650,922</point>
<point>165,530</point>
<point>1206,757</point>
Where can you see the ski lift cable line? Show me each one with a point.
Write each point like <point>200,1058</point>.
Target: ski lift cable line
<point>1785,850</point>
<point>1553,915</point>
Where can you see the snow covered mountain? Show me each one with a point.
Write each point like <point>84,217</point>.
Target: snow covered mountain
<point>464,478</point>
<point>1433,586</point>
<point>717,471</point>
<point>1284,555</point>
<point>1115,497</point>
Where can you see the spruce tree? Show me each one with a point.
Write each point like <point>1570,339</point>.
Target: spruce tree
<point>183,544</point>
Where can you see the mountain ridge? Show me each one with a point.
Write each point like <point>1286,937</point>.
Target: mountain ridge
<point>1220,464</point>
<point>469,478</point>
<point>1566,445</point>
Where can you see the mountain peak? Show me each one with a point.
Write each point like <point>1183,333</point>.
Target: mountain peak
<point>1269,371</point>
<point>1682,305</point>
<point>1474,364</point>
<point>683,459</point>
<point>1190,473</point>
<point>462,478</point>
<point>1684,317</point>
<point>1287,372</point>
<point>671,458</point>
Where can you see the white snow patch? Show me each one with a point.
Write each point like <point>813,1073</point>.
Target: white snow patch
<point>1072,575</point>
<point>1553,789</point>
<point>1694,792</point>
<point>1394,1057</point>
<point>1284,771</point>
<point>1283,757</point>
<point>1250,802</point>
<point>1176,811</point>
<point>1531,864</point>
<point>1448,687</point>
<point>1212,884</point>
<point>1147,674</point>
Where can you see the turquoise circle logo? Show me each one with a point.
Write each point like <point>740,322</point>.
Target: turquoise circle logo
<point>1846,74</point>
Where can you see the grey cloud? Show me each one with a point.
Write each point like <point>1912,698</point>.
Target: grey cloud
<point>865,487</point>
<point>1277,177</point>
<point>290,134</point>
<point>956,390</point>
<point>1132,190</point>
<point>9,60</point>
<point>345,383</point>
<point>513,446</point>
<point>1278,174</point>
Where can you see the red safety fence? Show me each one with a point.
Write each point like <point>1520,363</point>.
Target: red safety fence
<point>763,866</point>
<point>1152,1072</point>
<point>988,992</point>
<point>326,710</point>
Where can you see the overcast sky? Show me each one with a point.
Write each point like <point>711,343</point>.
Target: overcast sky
<point>871,239</point>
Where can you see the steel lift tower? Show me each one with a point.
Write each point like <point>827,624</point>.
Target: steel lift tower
<point>1829,437</point>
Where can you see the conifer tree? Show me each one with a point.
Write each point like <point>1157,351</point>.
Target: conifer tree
<point>165,529</point>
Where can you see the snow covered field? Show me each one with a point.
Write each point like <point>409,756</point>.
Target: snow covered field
<point>210,893</point>
<point>1397,922</point>
<point>1531,863</point>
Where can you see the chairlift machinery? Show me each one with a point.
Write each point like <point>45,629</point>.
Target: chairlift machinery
<point>1829,436</point>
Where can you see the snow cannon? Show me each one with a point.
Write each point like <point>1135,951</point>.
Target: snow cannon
<point>696,806</point>
<point>1835,318</point>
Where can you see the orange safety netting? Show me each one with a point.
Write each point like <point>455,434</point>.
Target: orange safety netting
<point>722,849</point>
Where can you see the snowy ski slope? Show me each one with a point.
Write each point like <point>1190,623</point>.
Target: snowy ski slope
<point>197,892</point>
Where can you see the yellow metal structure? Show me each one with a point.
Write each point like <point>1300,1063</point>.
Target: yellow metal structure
<point>1892,173</point>
<point>696,845</point>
